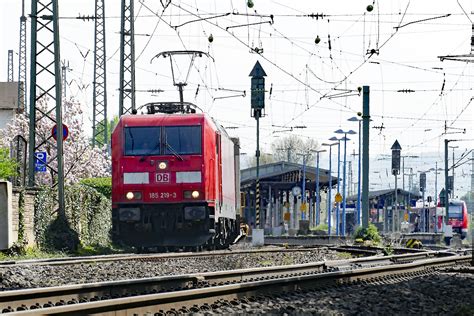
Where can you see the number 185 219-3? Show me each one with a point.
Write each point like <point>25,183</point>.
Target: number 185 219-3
<point>162,195</point>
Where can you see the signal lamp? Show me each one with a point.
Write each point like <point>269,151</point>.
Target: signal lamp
<point>162,165</point>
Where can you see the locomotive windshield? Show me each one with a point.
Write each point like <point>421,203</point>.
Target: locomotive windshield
<point>142,141</point>
<point>455,211</point>
<point>159,140</point>
<point>184,140</point>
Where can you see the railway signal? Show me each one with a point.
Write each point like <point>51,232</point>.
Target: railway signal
<point>257,104</point>
<point>396,151</point>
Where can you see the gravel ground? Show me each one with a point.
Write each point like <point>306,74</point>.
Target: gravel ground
<point>19,277</point>
<point>443,294</point>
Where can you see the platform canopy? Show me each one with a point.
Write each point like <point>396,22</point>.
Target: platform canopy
<point>284,175</point>
<point>381,194</point>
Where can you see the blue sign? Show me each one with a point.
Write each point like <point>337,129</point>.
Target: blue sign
<point>40,161</point>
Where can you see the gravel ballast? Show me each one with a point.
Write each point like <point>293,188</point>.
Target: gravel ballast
<point>443,294</point>
<point>31,276</point>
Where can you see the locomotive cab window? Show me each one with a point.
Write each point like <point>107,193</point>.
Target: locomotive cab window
<point>183,140</point>
<point>142,141</point>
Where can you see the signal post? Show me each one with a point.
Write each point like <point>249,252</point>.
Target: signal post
<point>257,104</point>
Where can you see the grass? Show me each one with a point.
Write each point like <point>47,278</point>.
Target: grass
<point>344,255</point>
<point>287,260</point>
<point>266,263</point>
<point>30,253</point>
<point>27,253</point>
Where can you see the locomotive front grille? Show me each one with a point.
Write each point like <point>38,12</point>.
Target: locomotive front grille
<point>163,224</point>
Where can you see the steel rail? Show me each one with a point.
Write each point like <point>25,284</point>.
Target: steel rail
<point>155,256</point>
<point>72,294</point>
<point>161,302</point>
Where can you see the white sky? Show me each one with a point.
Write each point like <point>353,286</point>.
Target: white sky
<point>299,70</point>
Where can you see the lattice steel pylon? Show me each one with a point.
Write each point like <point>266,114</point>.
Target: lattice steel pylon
<point>127,59</point>
<point>45,96</point>
<point>99,98</point>
<point>10,65</point>
<point>22,62</point>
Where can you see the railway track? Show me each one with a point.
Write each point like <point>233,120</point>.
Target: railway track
<point>367,251</point>
<point>173,292</point>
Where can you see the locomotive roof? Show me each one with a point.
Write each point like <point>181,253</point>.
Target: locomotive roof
<point>175,118</point>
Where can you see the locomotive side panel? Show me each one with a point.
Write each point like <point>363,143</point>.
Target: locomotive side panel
<point>209,161</point>
<point>228,206</point>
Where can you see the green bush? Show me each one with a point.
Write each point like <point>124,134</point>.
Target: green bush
<point>103,185</point>
<point>371,233</point>
<point>7,165</point>
<point>88,219</point>
<point>323,227</point>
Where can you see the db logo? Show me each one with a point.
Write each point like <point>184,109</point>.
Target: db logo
<point>162,177</point>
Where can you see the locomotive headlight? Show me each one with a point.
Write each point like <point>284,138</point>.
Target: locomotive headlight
<point>195,194</point>
<point>162,165</point>
<point>133,195</point>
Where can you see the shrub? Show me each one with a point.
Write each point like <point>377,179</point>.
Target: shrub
<point>323,227</point>
<point>371,234</point>
<point>103,185</point>
<point>7,165</point>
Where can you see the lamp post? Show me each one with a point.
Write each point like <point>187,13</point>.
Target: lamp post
<point>303,185</point>
<point>355,119</point>
<point>338,182</point>
<point>452,189</point>
<point>329,186</point>
<point>317,212</point>
<point>350,132</point>
<point>422,189</point>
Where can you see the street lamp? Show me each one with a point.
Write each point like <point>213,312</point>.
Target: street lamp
<point>452,189</point>
<point>355,119</point>
<point>329,185</point>
<point>350,132</point>
<point>338,182</point>
<point>317,213</point>
<point>303,184</point>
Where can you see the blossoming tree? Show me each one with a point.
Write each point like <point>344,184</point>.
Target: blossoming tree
<point>81,160</point>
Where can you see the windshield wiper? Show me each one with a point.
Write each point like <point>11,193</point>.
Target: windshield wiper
<point>143,157</point>
<point>174,152</point>
<point>131,138</point>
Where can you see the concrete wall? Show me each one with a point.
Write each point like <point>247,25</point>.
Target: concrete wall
<point>8,102</point>
<point>9,215</point>
<point>6,216</point>
<point>28,214</point>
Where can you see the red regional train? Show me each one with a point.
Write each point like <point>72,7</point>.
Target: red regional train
<point>175,181</point>
<point>458,217</point>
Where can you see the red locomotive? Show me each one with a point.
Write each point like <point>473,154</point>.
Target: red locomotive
<point>175,180</point>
